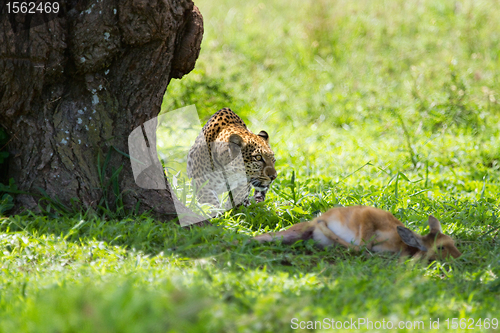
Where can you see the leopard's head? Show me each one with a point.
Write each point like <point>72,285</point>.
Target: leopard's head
<point>258,158</point>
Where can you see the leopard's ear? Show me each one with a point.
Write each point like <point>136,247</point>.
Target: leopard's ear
<point>236,139</point>
<point>264,135</point>
<point>236,143</point>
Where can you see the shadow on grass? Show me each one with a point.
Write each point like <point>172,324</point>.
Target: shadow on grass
<point>225,246</point>
<point>218,243</point>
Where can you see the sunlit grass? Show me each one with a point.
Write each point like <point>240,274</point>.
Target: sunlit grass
<point>393,104</point>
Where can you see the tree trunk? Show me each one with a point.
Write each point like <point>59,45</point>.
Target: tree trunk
<point>73,86</point>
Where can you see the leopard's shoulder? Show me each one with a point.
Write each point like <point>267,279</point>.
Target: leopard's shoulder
<point>222,120</point>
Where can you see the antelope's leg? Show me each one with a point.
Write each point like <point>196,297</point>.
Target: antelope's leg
<point>333,236</point>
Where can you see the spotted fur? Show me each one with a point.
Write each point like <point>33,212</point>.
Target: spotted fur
<point>215,157</point>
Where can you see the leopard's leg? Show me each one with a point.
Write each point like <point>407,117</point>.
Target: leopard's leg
<point>209,197</point>
<point>206,195</point>
<point>240,196</point>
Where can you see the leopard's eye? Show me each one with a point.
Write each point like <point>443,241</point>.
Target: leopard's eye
<point>258,157</point>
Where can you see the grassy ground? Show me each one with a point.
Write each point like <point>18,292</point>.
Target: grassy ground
<point>390,104</point>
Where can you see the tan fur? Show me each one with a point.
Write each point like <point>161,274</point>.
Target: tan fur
<point>376,229</point>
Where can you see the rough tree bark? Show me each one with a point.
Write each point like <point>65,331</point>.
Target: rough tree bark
<point>77,85</point>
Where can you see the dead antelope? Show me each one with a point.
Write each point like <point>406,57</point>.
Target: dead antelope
<point>374,228</point>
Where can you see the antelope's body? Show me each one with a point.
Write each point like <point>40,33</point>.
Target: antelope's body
<point>374,228</point>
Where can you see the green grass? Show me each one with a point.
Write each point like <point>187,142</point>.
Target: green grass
<point>388,104</point>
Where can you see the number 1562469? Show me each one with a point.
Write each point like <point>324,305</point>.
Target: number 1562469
<point>48,7</point>
<point>471,323</point>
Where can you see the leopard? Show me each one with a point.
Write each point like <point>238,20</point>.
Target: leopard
<point>227,157</point>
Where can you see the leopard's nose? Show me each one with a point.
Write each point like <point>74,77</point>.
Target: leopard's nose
<point>270,172</point>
